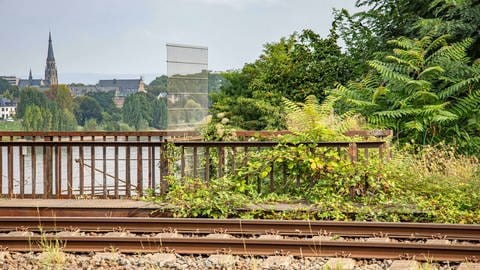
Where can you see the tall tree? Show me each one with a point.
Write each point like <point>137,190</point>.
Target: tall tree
<point>30,96</point>
<point>61,96</point>
<point>295,67</point>
<point>159,113</point>
<point>137,111</point>
<point>37,119</point>
<point>105,100</point>
<point>157,86</point>
<point>87,108</point>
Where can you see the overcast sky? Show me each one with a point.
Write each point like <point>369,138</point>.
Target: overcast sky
<point>129,37</point>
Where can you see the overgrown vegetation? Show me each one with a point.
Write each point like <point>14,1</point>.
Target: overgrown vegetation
<point>444,187</point>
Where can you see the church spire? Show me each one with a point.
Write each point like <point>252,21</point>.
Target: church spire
<point>30,78</point>
<point>51,69</point>
<point>50,48</point>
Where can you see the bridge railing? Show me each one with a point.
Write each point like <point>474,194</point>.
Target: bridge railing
<point>123,168</point>
<point>96,135</point>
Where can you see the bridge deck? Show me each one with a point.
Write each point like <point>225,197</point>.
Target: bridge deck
<point>70,207</point>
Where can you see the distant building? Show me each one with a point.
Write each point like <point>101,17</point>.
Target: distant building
<point>81,90</point>
<point>8,108</point>
<point>51,77</point>
<point>125,87</point>
<point>30,82</point>
<point>122,88</point>
<point>12,80</point>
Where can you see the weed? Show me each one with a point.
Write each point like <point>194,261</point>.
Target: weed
<point>52,256</point>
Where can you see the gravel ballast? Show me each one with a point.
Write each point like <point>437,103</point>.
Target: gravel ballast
<point>114,260</point>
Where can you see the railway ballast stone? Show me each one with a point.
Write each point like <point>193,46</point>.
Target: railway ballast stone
<point>321,238</point>
<point>379,240</point>
<point>68,234</point>
<point>469,266</point>
<point>404,265</point>
<point>277,262</point>
<point>219,236</point>
<point>222,261</point>
<point>161,259</point>
<point>21,233</point>
<point>340,264</point>
<point>106,256</point>
<point>438,242</point>
<point>270,237</point>
<point>168,235</point>
<point>118,234</point>
<point>4,255</point>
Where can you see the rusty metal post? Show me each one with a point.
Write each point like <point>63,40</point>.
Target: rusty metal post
<point>207,164</point>
<point>353,152</point>
<point>139,171</point>
<point>10,171</point>
<point>195,162</point>
<point>58,170</point>
<point>47,168</point>
<point>221,161</point>
<point>163,168</point>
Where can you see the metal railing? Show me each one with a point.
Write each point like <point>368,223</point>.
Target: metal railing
<point>79,164</point>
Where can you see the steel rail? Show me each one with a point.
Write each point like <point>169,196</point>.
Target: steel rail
<point>192,245</point>
<point>238,226</point>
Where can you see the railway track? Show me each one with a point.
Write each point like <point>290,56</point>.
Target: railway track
<point>465,232</point>
<point>244,237</point>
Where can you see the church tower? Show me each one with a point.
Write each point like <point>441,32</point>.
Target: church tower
<point>51,69</point>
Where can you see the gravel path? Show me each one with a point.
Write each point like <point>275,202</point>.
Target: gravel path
<point>113,260</point>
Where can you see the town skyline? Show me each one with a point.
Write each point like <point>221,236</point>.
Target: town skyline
<point>88,48</point>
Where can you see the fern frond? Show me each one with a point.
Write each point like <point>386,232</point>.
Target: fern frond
<point>414,86</point>
<point>406,63</point>
<point>431,71</point>
<point>410,55</point>
<point>468,104</point>
<point>455,52</point>
<point>415,125</point>
<point>387,72</point>
<point>398,113</point>
<point>380,91</point>
<point>459,87</point>
<point>402,42</point>
<point>435,108</point>
<point>439,42</point>
<point>444,116</point>
<point>422,97</point>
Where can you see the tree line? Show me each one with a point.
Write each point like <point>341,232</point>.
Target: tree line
<point>57,109</point>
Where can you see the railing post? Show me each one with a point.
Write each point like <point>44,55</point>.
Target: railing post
<point>47,168</point>
<point>207,164</point>
<point>139,187</point>
<point>195,161</point>
<point>353,152</point>
<point>163,168</point>
<point>221,161</point>
<point>380,152</point>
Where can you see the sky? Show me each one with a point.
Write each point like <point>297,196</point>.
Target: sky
<point>95,39</point>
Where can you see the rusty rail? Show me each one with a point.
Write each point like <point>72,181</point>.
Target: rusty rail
<point>467,232</point>
<point>246,246</point>
<point>300,240</point>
